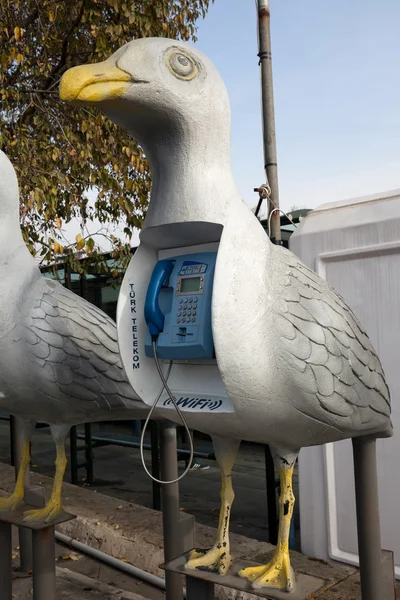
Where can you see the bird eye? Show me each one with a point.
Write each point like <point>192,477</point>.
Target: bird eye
<point>182,66</point>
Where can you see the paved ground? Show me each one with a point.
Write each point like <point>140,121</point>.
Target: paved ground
<point>119,473</point>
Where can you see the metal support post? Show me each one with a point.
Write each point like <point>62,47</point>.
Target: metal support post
<point>5,562</point>
<point>170,504</point>
<point>24,535</point>
<point>155,464</point>
<point>196,589</point>
<point>368,526</point>
<point>89,453</point>
<point>12,442</point>
<point>44,560</point>
<point>268,117</point>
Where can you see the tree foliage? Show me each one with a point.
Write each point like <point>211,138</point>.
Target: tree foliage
<point>60,152</point>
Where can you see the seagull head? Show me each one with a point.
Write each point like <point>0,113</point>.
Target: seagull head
<point>153,87</point>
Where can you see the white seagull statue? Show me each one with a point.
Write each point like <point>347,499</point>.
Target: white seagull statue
<point>59,357</point>
<point>295,362</point>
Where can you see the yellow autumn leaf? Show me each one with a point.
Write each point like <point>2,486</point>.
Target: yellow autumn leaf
<point>58,222</point>
<point>56,248</point>
<point>51,16</point>
<point>80,245</point>
<point>61,249</point>
<point>17,33</point>
<point>20,58</point>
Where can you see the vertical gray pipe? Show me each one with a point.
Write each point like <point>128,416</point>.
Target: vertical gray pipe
<point>24,534</point>
<point>368,526</point>
<point>5,562</point>
<point>170,506</point>
<point>268,115</point>
<point>44,564</point>
<point>198,589</point>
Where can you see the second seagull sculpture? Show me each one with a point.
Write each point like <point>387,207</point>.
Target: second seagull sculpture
<point>59,357</point>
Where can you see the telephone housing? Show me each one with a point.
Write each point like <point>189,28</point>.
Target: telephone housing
<point>178,307</point>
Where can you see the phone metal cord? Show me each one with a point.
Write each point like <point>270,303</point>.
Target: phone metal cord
<point>164,380</point>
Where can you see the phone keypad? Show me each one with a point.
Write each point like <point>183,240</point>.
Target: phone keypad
<point>189,305</point>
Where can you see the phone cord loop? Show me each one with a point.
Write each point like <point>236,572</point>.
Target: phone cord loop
<point>164,380</point>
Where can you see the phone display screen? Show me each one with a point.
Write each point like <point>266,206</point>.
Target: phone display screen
<point>190,284</point>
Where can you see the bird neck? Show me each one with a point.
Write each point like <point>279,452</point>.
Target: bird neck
<point>11,240</point>
<point>191,175</point>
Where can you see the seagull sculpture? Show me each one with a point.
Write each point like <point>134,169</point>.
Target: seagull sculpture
<point>296,363</point>
<point>59,358</point>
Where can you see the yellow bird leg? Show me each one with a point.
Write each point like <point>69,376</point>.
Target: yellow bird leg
<point>12,502</point>
<point>218,559</point>
<point>278,573</point>
<point>53,508</point>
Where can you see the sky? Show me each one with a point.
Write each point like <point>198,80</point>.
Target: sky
<point>336,70</point>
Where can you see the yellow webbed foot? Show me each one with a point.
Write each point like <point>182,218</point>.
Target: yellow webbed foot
<point>10,503</point>
<point>47,514</point>
<point>277,574</point>
<point>216,560</point>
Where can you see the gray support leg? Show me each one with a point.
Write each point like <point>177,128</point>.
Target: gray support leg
<point>170,505</point>
<point>5,562</point>
<point>24,535</point>
<point>368,526</point>
<point>44,564</point>
<point>198,589</point>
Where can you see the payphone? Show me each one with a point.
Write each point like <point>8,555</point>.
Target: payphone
<point>178,307</point>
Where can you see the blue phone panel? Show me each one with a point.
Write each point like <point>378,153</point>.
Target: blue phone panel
<point>185,302</point>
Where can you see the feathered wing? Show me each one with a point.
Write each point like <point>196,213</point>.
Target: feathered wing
<point>75,344</point>
<point>324,342</point>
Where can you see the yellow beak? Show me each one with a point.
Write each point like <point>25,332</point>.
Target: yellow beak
<point>93,83</point>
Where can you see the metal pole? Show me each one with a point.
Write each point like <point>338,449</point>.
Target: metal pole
<point>89,453</point>
<point>5,562</point>
<point>24,535</point>
<point>155,465</point>
<point>44,564</point>
<point>368,526</point>
<point>12,441</point>
<point>170,504</point>
<point>198,589</point>
<point>268,116</point>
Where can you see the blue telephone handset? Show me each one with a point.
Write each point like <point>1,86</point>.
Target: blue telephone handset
<point>152,312</point>
<point>178,307</point>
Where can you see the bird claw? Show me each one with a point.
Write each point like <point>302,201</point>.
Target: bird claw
<point>276,574</point>
<point>10,503</point>
<point>216,560</point>
<point>47,514</point>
